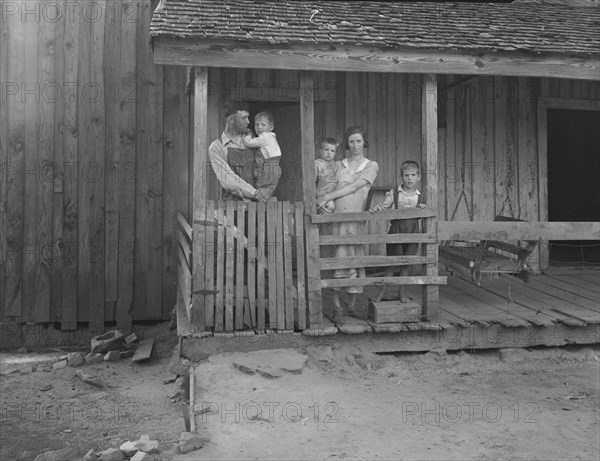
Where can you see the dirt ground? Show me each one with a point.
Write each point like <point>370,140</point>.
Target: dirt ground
<point>345,404</point>
<point>74,413</point>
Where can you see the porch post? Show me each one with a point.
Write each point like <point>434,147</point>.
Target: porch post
<point>429,175</point>
<point>307,134</point>
<point>542,161</point>
<point>199,193</point>
<point>312,249</point>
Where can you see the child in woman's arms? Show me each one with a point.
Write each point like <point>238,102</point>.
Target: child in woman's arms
<point>325,173</point>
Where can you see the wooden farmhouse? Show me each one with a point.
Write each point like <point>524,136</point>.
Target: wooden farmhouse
<point>468,90</point>
<point>498,101</point>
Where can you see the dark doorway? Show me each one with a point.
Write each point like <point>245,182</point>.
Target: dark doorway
<point>287,128</point>
<point>574,179</point>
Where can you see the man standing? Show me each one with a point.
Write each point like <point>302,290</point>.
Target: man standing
<point>235,165</point>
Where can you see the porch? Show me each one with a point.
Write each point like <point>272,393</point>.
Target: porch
<point>258,244</point>
<point>565,296</point>
<point>285,288</point>
<point>558,307</point>
<point>263,272</point>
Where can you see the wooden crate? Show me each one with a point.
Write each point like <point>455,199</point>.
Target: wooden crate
<point>394,312</point>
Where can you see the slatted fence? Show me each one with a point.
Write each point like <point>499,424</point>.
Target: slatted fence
<point>255,274</point>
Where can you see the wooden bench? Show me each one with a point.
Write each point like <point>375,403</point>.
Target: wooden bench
<point>473,259</point>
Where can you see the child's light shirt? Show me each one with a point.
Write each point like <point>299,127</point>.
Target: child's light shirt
<point>267,142</point>
<point>326,176</point>
<point>405,199</point>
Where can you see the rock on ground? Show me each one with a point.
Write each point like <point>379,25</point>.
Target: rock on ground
<point>90,456</point>
<point>177,365</point>
<point>94,357</point>
<point>190,441</point>
<point>106,342</point>
<point>126,354</point>
<point>147,445</point>
<point>271,363</point>
<point>141,456</point>
<point>112,356</point>
<point>111,454</point>
<point>63,454</point>
<point>269,372</point>
<point>131,338</point>
<point>61,364</point>
<point>74,359</point>
<point>130,448</point>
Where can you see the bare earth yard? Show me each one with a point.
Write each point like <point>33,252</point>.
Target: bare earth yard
<point>343,404</point>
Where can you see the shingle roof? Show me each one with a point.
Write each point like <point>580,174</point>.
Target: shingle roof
<point>525,26</point>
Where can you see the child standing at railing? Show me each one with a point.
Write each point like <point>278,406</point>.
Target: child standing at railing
<point>404,196</point>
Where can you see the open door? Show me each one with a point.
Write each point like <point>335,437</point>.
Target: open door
<point>573,185</point>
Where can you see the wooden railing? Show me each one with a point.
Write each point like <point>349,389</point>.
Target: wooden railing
<point>508,231</point>
<point>513,244</point>
<point>254,266</point>
<point>428,259</point>
<point>274,253</point>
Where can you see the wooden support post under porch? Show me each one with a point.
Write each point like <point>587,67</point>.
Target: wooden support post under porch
<point>311,234</point>
<point>429,162</point>
<point>199,191</point>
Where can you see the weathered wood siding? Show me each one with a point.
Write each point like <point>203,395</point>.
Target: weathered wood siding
<point>567,88</point>
<point>489,127</point>
<point>94,164</point>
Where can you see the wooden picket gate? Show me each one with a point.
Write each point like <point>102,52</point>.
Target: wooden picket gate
<point>254,268</point>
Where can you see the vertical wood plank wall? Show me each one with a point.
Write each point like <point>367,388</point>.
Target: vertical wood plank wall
<point>93,165</point>
<point>500,125</point>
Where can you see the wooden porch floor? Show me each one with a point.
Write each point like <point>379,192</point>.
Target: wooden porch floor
<point>561,306</point>
<point>561,296</point>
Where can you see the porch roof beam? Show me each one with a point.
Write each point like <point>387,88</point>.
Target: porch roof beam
<point>173,51</point>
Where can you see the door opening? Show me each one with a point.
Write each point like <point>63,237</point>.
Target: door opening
<point>287,128</point>
<point>573,179</point>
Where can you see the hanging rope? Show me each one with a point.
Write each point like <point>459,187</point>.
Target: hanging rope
<point>510,171</point>
<point>463,194</point>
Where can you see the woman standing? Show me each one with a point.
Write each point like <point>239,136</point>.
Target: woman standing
<point>355,176</point>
